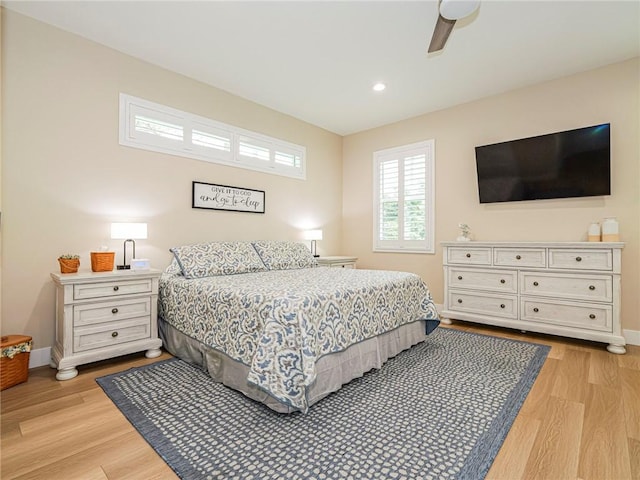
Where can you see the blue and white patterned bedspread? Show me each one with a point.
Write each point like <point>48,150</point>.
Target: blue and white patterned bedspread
<point>279,323</point>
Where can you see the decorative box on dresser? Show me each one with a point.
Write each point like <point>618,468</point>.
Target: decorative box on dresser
<point>103,315</point>
<point>559,288</point>
<point>337,261</point>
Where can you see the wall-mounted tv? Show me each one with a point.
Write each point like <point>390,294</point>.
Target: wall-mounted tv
<point>573,163</point>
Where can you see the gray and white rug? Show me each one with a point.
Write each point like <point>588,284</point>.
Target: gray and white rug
<point>440,410</point>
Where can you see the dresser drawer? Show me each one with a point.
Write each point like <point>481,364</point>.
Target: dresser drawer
<point>121,309</point>
<point>483,304</point>
<point>567,314</point>
<point>492,280</point>
<point>519,257</point>
<point>596,288</point>
<point>109,334</point>
<point>469,256</point>
<point>581,259</point>
<point>83,291</point>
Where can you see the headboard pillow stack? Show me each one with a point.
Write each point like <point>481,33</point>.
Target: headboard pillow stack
<point>217,258</point>
<point>283,255</point>
<point>229,258</point>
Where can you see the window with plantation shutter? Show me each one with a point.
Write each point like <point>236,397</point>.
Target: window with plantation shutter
<point>151,126</point>
<point>403,199</point>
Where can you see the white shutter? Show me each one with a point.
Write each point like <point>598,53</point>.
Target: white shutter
<point>151,126</point>
<point>403,198</point>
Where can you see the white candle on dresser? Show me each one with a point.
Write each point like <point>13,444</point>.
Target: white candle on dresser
<point>610,230</point>
<point>593,234</point>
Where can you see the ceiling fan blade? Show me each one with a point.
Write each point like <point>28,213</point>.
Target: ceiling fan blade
<point>440,33</point>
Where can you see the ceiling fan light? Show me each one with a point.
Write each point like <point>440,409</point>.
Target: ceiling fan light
<point>457,9</point>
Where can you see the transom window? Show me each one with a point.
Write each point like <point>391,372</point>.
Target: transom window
<point>151,126</point>
<point>403,198</point>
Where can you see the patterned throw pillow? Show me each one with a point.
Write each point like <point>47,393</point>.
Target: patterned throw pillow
<point>173,268</point>
<point>217,258</point>
<point>282,255</point>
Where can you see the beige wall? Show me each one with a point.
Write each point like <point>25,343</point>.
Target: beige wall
<point>609,94</point>
<point>65,178</point>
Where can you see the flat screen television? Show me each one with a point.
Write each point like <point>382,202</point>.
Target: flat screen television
<point>573,163</point>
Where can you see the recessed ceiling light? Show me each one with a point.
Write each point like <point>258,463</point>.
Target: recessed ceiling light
<point>378,87</point>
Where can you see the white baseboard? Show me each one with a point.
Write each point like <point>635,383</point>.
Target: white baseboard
<point>632,336</point>
<point>40,357</point>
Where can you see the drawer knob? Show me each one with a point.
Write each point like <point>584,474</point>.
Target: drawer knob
<point>502,305</point>
<point>468,255</point>
<point>518,257</point>
<point>578,259</point>
<point>592,287</point>
<point>502,280</point>
<point>535,284</point>
<point>116,288</point>
<point>459,277</point>
<point>592,316</point>
<point>535,309</point>
<point>459,300</point>
<point>114,310</point>
<point>114,334</point>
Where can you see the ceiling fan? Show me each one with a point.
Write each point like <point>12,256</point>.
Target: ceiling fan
<point>449,12</point>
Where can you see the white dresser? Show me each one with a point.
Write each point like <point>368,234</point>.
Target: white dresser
<point>103,315</point>
<point>566,289</point>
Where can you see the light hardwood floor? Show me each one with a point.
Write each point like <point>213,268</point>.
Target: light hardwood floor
<point>580,421</point>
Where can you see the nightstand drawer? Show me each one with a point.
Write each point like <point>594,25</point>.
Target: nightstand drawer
<point>484,304</point>
<point>567,314</point>
<point>89,314</point>
<point>111,333</point>
<point>83,291</point>
<point>595,288</point>
<point>519,257</point>
<point>581,259</point>
<point>474,278</point>
<point>469,256</point>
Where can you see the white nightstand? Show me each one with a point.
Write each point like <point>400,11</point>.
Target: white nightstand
<point>103,315</point>
<point>337,261</point>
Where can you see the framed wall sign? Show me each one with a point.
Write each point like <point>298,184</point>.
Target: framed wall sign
<point>224,197</point>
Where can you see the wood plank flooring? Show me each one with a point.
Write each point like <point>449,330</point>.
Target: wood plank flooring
<point>581,421</point>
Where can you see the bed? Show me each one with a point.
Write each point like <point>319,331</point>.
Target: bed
<point>264,319</point>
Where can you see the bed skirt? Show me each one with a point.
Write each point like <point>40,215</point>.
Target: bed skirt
<point>333,370</point>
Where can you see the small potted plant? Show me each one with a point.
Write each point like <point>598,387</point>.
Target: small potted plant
<point>69,263</point>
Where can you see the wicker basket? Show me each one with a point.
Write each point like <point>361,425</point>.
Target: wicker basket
<point>14,364</point>
<point>69,265</point>
<point>102,261</point>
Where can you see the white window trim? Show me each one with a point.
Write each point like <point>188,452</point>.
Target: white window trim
<point>185,147</point>
<point>427,245</point>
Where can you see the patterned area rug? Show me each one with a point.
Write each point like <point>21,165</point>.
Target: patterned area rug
<point>440,410</point>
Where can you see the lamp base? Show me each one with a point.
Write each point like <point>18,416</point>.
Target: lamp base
<point>124,267</point>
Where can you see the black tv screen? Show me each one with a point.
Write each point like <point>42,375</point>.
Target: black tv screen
<point>574,163</point>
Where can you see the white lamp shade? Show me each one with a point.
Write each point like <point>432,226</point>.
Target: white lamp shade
<point>457,9</point>
<point>128,231</point>
<point>312,234</point>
